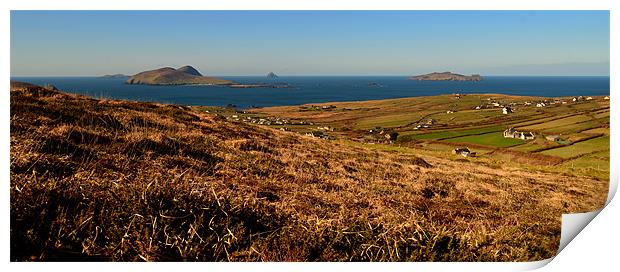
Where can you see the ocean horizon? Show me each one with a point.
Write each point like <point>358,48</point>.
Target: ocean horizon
<point>321,89</point>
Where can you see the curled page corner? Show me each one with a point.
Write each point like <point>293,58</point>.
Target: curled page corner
<point>529,266</point>
<point>573,224</point>
<point>613,183</point>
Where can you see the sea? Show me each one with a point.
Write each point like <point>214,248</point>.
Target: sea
<point>318,89</point>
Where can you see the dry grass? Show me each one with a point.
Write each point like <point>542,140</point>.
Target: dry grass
<point>126,181</point>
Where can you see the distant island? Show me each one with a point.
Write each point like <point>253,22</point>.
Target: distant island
<point>115,76</point>
<point>185,75</point>
<point>272,75</point>
<point>446,76</point>
<point>188,75</point>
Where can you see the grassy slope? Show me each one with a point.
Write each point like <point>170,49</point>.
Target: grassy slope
<point>117,180</point>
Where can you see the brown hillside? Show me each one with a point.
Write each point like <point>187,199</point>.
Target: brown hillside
<point>116,180</point>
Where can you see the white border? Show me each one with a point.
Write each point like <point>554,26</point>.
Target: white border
<point>315,5</point>
<point>598,243</point>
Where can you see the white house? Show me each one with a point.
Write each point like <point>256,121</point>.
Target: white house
<point>540,105</point>
<point>512,133</point>
<point>465,152</point>
<point>506,110</point>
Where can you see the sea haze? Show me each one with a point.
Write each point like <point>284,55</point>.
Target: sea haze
<point>317,89</point>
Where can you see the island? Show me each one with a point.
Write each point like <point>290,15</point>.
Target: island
<point>272,75</point>
<point>446,76</point>
<point>114,76</point>
<point>186,75</point>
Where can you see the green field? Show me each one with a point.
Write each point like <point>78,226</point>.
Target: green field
<point>535,121</point>
<point>558,123</point>
<point>388,121</point>
<point>576,123</point>
<point>601,114</point>
<point>595,164</point>
<point>535,145</point>
<point>573,128</point>
<point>597,131</point>
<point>444,134</point>
<point>580,148</point>
<point>466,116</point>
<point>598,160</point>
<point>495,139</point>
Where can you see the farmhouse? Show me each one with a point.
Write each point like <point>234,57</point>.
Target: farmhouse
<point>579,98</point>
<point>541,105</point>
<point>465,152</point>
<point>317,134</point>
<point>506,110</point>
<point>553,138</point>
<point>512,133</point>
<point>391,136</point>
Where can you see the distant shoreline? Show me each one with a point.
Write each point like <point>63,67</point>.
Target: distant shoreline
<point>313,89</point>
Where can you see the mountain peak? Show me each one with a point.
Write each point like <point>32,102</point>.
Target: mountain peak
<point>189,70</point>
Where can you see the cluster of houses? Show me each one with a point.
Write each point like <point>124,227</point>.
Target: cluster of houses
<point>268,121</point>
<point>513,133</point>
<point>317,134</point>
<point>325,128</point>
<point>317,108</point>
<point>378,135</point>
<point>508,109</point>
<point>425,124</point>
<point>528,135</point>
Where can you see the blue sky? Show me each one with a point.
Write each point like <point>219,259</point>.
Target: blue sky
<point>82,43</point>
